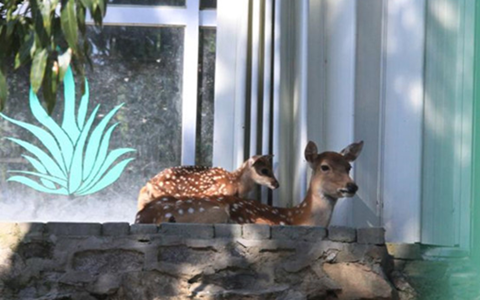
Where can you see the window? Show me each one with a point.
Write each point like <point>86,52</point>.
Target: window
<point>157,59</point>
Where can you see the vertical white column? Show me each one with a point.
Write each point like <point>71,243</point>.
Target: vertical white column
<point>267,81</point>
<point>338,114</point>
<point>190,83</point>
<point>403,119</point>
<point>230,81</point>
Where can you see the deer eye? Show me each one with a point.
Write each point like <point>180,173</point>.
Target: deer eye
<point>349,168</point>
<point>264,172</point>
<point>325,168</point>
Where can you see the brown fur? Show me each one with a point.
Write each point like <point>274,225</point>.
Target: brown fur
<point>193,181</point>
<point>330,180</point>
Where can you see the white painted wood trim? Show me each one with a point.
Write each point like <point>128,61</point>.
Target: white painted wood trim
<point>277,96</point>
<point>338,113</point>
<point>300,110</point>
<point>255,78</point>
<point>230,76</point>
<point>208,18</point>
<point>403,120</point>
<point>267,82</point>
<point>151,15</point>
<point>190,83</point>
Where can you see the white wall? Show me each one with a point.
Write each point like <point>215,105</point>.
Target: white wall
<point>370,87</point>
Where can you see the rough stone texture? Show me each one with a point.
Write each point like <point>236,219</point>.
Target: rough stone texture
<point>256,232</point>
<point>299,233</point>
<point>190,261</point>
<point>358,282</point>
<point>115,229</point>
<point>342,234</point>
<point>371,235</point>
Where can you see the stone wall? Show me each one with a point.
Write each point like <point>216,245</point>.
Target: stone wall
<point>192,261</point>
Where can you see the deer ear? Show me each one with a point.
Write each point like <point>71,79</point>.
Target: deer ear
<point>311,152</point>
<point>352,151</point>
<point>252,160</point>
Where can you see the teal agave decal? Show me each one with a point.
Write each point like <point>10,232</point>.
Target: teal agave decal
<point>78,161</point>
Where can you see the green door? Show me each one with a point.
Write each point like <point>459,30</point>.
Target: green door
<point>448,118</point>
<point>476,145</point>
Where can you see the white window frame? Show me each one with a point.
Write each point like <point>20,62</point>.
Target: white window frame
<point>191,18</point>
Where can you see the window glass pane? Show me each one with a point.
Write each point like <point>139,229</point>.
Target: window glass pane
<point>205,109</point>
<point>208,4</point>
<point>138,67</point>
<point>150,2</point>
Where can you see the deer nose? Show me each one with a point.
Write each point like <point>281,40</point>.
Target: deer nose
<point>275,185</point>
<point>352,187</point>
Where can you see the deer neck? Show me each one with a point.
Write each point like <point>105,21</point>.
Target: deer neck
<point>316,210</point>
<point>243,180</point>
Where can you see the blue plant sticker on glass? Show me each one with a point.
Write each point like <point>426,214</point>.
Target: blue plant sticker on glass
<point>77,161</point>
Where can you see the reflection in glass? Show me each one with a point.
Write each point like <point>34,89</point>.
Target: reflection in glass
<point>138,66</point>
<point>149,2</point>
<point>208,4</point>
<point>205,108</point>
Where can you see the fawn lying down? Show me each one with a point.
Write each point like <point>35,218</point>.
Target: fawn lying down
<point>196,181</point>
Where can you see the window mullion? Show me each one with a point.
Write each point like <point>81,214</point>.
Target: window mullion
<point>190,82</point>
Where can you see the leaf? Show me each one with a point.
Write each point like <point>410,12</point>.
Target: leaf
<point>69,123</point>
<point>24,53</point>
<point>110,177</point>
<point>44,137</point>
<point>87,3</point>
<point>94,141</point>
<point>40,168</point>
<point>38,69</point>
<point>102,154</point>
<point>81,11</point>
<point>64,62</point>
<point>66,144</point>
<point>75,176</point>
<point>58,181</point>
<point>82,108</point>
<point>46,10</point>
<point>102,5</point>
<point>111,158</point>
<point>68,19</point>
<point>49,85</point>
<point>48,162</point>
<point>36,186</point>
<point>3,88</point>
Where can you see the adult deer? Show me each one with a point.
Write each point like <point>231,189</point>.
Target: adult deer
<point>194,181</point>
<point>330,180</point>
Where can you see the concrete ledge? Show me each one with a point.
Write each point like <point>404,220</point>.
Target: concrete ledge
<point>256,232</point>
<point>342,234</point>
<point>299,233</point>
<point>74,229</point>
<point>115,229</point>
<point>228,230</point>
<point>143,229</point>
<point>371,235</point>
<point>185,230</point>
